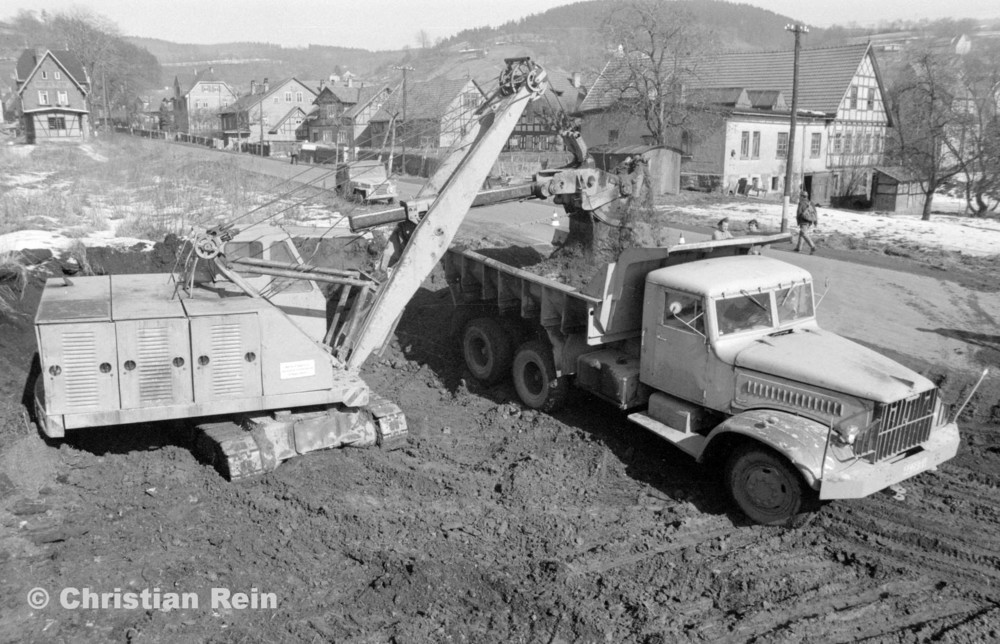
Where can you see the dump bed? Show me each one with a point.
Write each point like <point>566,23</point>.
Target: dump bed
<point>607,309</point>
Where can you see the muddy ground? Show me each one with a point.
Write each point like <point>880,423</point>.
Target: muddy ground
<point>492,524</point>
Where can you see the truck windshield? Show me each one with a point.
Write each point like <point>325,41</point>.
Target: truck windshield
<point>743,313</point>
<point>794,303</point>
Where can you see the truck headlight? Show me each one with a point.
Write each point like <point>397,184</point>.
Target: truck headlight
<point>847,434</point>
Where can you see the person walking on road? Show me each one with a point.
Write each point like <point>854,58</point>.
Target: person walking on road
<point>806,219</point>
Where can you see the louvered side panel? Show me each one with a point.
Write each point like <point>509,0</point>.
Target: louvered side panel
<point>154,359</point>
<point>226,357</point>
<point>79,367</point>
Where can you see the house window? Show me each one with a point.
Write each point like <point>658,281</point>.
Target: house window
<point>57,123</point>
<point>848,142</point>
<point>870,104</point>
<point>814,144</point>
<point>755,152</point>
<point>425,141</point>
<point>62,98</point>
<point>612,137</point>
<point>744,145</point>
<point>838,142</point>
<point>876,143</point>
<point>45,74</point>
<point>782,145</point>
<point>288,97</point>
<point>866,146</point>
<point>43,98</point>
<point>471,100</point>
<point>774,183</point>
<point>298,97</point>
<point>56,75</point>
<point>342,137</point>
<point>275,99</point>
<point>854,97</point>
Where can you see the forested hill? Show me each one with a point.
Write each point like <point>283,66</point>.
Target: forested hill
<point>737,26</point>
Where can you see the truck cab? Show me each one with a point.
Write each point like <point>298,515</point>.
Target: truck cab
<point>366,181</point>
<point>737,365</point>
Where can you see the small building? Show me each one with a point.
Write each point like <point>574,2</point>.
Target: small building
<point>52,90</point>
<point>664,164</point>
<point>342,114</point>
<point>272,114</point>
<point>437,113</point>
<point>895,189</point>
<point>198,99</point>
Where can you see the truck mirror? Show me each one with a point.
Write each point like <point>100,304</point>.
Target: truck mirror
<point>826,289</point>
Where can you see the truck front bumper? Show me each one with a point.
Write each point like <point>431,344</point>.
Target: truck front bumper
<point>858,478</point>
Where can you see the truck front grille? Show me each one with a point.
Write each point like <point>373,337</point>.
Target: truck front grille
<point>897,427</point>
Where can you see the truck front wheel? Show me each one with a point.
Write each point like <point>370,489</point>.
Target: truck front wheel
<point>535,378</point>
<point>487,349</point>
<point>764,485</point>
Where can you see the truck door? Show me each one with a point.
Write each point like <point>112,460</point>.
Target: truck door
<point>675,351</point>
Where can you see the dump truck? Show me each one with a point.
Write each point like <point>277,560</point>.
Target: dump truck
<point>240,339</point>
<point>366,181</point>
<point>716,349</point>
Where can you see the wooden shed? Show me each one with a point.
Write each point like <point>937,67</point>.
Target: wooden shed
<point>895,189</point>
<point>664,163</point>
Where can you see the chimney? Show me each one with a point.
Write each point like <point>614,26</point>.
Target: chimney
<point>253,87</point>
<point>322,84</point>
<point>350,81</point>
<point>265,86</point>
<point>576,80</point>
<point>211,70</point>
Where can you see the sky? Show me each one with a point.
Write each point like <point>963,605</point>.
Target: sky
<point>393,24</point>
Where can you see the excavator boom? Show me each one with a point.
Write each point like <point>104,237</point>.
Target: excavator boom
<point>450,193</point>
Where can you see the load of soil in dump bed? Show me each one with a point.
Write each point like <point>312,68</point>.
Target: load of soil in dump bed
<point>570,265</point>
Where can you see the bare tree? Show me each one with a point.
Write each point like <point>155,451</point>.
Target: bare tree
<point>424,39</point>
<point>922,102</point>
<point>973,138</point>
<point>659,48</point>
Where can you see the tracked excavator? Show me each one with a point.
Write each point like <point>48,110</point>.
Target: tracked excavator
<point>243,341</point>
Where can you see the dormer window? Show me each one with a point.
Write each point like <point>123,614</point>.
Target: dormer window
<point>56,75</point>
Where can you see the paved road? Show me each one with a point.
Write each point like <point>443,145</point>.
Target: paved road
<point>933,319</point>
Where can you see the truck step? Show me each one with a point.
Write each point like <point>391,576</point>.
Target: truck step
<point>693,444</point>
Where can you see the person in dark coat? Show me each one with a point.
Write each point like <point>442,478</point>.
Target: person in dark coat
<point>806,219</point>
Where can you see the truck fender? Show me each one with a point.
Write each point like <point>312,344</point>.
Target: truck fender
<point>801,440</point>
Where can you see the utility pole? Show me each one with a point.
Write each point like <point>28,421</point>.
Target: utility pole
<point>798,30</point>
<point>404,69</point>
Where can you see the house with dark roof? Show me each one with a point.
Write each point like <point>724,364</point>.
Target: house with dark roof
<point>342,112</point>
<point>52,89</point>
<point>274,114</point>
<point>437,113</point>
<point>841,120</point>
<point>537,129</point>
<point>198,99</point>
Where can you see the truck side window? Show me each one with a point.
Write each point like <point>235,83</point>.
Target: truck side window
<point>684,312</point>
<point>743,313</point>
<point>794,303</point>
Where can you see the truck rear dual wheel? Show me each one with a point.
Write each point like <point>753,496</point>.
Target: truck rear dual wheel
<point>488,350</point>
<point>764,485</point>
<point>535,378</point>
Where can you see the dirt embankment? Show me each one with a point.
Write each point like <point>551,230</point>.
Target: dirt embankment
<point>493,524</point>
